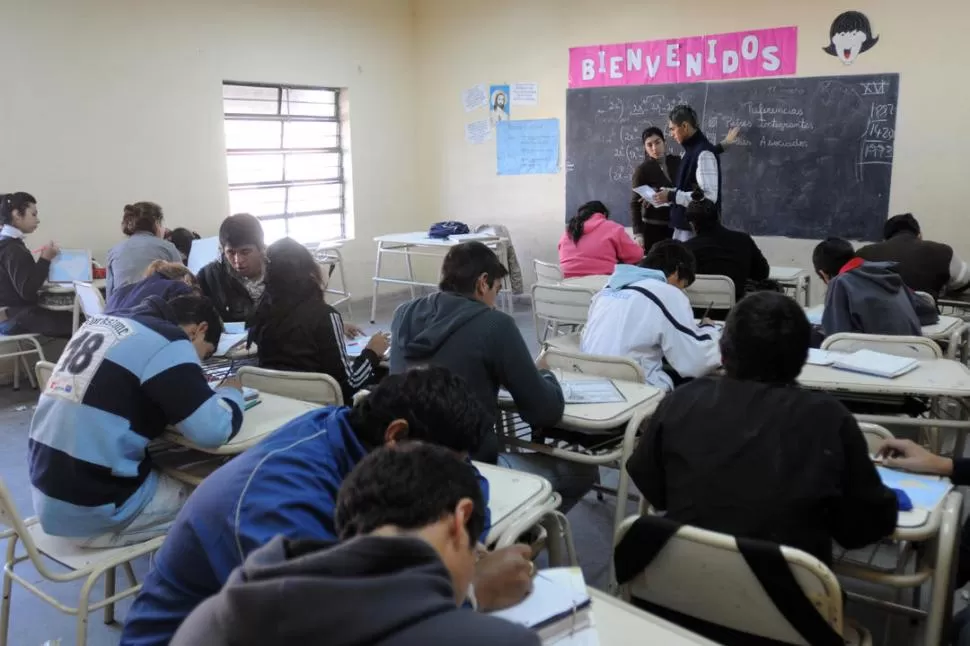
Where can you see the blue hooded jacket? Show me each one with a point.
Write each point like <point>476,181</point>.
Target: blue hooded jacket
<point>131,295</point>
<point>286,485</point>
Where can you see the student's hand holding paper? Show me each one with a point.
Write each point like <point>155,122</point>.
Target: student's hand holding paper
<point>50,251</point>
<point>503,578</point>
<point>662,197</point>
<point>908,455</point>
<point>379,343</point>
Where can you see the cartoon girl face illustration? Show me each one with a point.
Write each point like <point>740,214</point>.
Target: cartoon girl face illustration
<point>850,35</point>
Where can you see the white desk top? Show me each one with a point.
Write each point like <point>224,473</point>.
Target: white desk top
<point>605,416</point>
<point>621,624</point>
<point>421,239</point>
<point>933,377</point>
<point>511,493</point>
<point>787,273</point>
<point>258,422</point>
<point>64,288</point>
<point>940,331</point>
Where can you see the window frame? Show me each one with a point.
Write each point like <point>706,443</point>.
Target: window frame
<point>279,117</point>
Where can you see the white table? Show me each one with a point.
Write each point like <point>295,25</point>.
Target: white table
<point>620,624</point>
<point>417,243</point>
<point>952,331</point>
<point>258,422</point>
<point>796,279</point>
<point>517,501</point>
<point>59,297</point>
<point>641,401</point>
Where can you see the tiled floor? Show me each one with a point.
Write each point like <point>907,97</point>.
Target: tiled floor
<point>33,622</point>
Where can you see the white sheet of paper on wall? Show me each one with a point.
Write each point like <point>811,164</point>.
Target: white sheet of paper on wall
<point>478,132</point>
<point>475,97</point>
<point>524,93</point>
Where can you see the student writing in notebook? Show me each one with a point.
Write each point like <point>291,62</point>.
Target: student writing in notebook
<point>287,484</point>
<point>410,516</point>
<point>753,455</point>
<point>295,329</point>
<point>866,297</point>
<point>21,277</point>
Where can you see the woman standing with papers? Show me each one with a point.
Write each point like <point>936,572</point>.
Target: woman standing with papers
<point>21,277</point>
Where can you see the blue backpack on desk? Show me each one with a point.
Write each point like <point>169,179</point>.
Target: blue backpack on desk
<point>442,230</point>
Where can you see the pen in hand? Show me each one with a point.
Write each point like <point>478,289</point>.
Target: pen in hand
<point>707,312</point>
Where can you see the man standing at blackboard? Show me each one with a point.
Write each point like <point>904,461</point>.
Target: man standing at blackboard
<point>699,168</point>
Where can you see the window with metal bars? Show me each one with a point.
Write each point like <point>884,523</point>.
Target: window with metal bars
<point>285,160</point>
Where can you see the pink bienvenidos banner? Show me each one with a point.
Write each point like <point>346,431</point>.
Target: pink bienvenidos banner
<point>742,54</point>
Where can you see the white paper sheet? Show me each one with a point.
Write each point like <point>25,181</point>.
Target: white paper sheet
<point>554,592</point>
<point>591,391</point>
<point>646,192</point>
<point>475,97</point>
<point>227,342</point>
<point>203,252</point>
<point>70,265</point>
<point>478,132</point>
<point>818,357</point>
<point>524,93</point>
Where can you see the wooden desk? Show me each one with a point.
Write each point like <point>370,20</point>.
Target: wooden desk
<point>620,624</point>
<point>517,499</point>
<point>933,378</point>
<point>417,243</point>
<point>258,422</point>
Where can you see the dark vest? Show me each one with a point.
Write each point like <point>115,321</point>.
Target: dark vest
<point>687,176</point>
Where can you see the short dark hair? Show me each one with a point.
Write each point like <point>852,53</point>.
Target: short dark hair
<point>195,308</point>
<point>11,202</point>
<point>182,239</point>
<point>766,338</point>
<point>650,132</point>
<point>141,216</point>
<point>831,255</point>
<point>904,223</point>
<point>240,230</point>
<point>464,263</point>
<point>701,212</point>
<point>409,486</point>
<point>434,402</point>
<point>683,114</point>
<point>670,257</point>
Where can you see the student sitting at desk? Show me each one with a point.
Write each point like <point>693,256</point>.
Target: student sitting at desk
<point>287,484</point>
<point>644,314</point>
<point>925,266</point>
<point>410,515</point>
<point>752,455</point>
<point>460,329</point>
<point>164,279</point>
<point>127,261</point>
<point>234,282</point>
<point>593,245</point>
<point>295,329</point>
<point>866,297</point>
<point>21,277</point>
<point>721,251</point>
<point>119,383</point>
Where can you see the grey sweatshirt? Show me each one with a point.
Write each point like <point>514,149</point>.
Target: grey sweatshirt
<point>482,345</point>
<point>871,298</point>
<point>373,591</point>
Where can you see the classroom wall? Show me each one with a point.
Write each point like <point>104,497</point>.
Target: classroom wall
<point>107,102</point>
<point>460,44</point>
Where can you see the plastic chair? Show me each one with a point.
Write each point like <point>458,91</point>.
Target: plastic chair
<point>702,574</point>
<point>306,386</point>
<point>547,273</point>
<point>915,347</point>
<point>43,370</point>
<point>82,563</point>
<point>716,292</point>
<point>619,368</point>
<point>19,355</point>
<point>557,306</point>
<point>87,299</point>
<point>328,253</point>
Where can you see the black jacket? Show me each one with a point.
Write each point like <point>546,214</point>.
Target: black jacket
<point>226,291</point>
<point>770,462</point>
<point>21,277</point>
<point>734,254</point>
<point>923,265</point>
<point>309,337</point>
<point>379,591</point>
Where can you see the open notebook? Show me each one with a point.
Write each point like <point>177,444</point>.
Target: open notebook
<point>878,364</point>
<point>558,608</point>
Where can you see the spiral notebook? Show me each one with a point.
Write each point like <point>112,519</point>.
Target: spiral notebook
<point>558,608</point>
<point>877,364</point>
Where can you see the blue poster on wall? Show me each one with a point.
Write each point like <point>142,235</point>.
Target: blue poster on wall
<point>528,147</point>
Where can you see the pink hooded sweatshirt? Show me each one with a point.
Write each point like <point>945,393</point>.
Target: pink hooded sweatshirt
<point>604,244</point>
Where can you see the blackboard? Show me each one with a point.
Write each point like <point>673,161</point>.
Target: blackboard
<point>814,158</point>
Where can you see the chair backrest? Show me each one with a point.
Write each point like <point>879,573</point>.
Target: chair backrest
<point>559,305</point>
<point>547,272</point>
<point>702,574</point>
<point>11,519</point>
<point>306,386</point>
<point>87,299</point>
<point>875,435</point>
<point>43,371</point>
<point>708,289</point>
<point>620,368</point>
<point>914,347</point>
